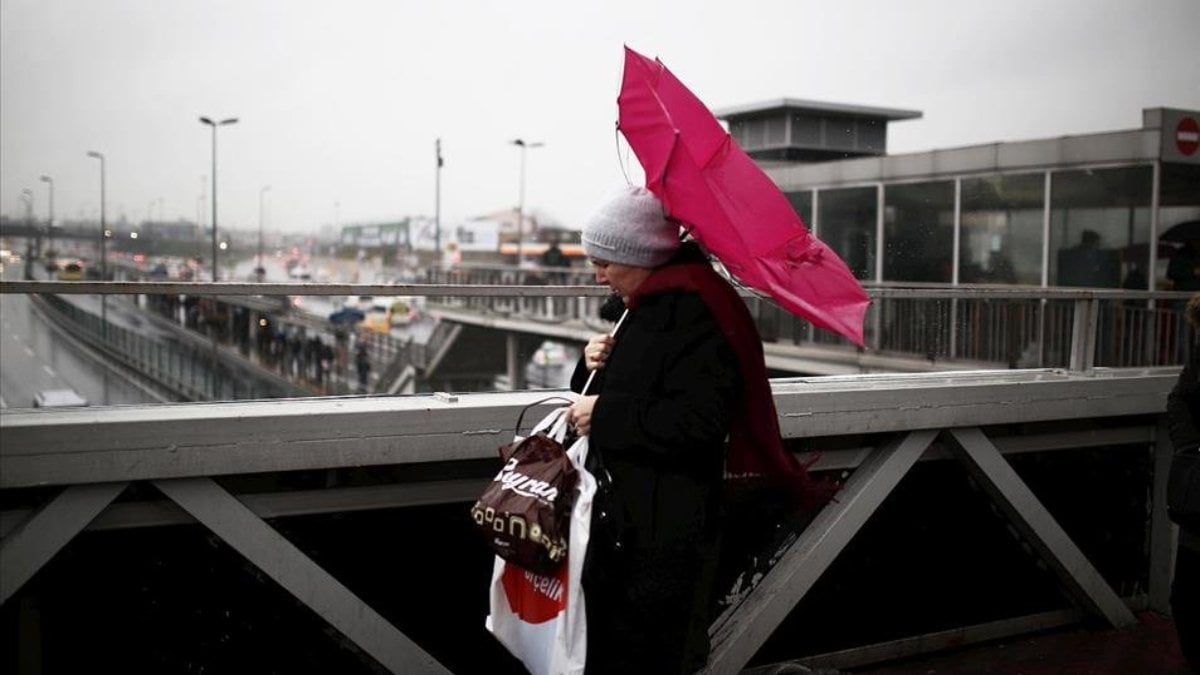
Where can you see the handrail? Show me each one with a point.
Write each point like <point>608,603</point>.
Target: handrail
<point>42,447</point>
<point>962,326</point>
<point>874,290</point>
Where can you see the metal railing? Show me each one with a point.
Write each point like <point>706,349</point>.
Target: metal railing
<point>184,366</point>
<point>992,326</point>
<point>1014,327</point>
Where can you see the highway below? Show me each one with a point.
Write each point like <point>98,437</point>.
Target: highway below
<point>35,355</point>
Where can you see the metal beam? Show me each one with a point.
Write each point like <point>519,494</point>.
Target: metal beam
<point>233,522</point>
<point>47,531</point>
<point>982,459</point>
<point>57,447</point>
<point>399,495</point>
<point>876,289</point>
<point>208,289</point>
<point>162,512</point>
<point>741,632</point>
<point>574,331</point>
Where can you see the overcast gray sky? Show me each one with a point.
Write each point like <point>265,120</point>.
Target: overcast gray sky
<point>340,102</point>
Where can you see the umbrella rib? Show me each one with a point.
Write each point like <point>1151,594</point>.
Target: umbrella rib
<point>724,145</point>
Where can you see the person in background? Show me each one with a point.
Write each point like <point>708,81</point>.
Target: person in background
<point>553,256</point>
<point>1183,493</point>
<point>1183,269</point>
<point>362,362</point>
<point>684,373</point>
<point>1087,264</point>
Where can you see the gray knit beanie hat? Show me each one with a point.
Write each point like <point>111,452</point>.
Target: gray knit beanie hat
<point>629,228</point>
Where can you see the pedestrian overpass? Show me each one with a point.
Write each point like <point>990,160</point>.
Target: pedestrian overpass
<point>245,470</point>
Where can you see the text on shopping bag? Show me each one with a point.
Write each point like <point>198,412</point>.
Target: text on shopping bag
<point>525,512</point>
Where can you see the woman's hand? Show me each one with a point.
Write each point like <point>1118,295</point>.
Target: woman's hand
<point>596,352</point>
<point>580,414</point>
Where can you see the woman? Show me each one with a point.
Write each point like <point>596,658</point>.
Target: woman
<point>1183,493</point>
<point>683,374</point>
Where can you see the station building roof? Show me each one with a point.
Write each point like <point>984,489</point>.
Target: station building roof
<point>790,129</point>
<point>1157,140</point>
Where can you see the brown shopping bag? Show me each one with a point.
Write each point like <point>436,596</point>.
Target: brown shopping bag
<point>525,513</point>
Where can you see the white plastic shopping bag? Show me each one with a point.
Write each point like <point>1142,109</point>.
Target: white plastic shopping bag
<point>542,619</point>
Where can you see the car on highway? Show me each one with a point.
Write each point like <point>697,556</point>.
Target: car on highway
<point>71,271</point>
<point>381,314</point>
<point>377,317</point>
<point>59,398</point>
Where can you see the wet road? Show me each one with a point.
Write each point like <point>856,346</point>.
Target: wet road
<point>34,357</point>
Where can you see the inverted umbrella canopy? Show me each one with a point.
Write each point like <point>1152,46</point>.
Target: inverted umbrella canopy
<point>734,209</point>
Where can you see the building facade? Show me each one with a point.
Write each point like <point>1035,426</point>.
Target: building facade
<point>1069,211</point>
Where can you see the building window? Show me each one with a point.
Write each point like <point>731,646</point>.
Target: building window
<point>806,131</point>
<point>847,225</point>
<point>1098,220</point>
<point>802,203</point>
<point>1001,240</point>
<point>1179,203</point>
<point>918,226</point>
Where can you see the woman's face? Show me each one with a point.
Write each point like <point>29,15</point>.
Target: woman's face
<point>624,279</point>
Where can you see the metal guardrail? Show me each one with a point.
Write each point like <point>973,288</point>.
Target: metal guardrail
<point>184,365</point>
<point>983,325</point>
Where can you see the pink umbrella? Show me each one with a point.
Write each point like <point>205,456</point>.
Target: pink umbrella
<point>711,185</point>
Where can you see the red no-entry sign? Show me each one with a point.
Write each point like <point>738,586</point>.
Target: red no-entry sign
<point>1187,136</point>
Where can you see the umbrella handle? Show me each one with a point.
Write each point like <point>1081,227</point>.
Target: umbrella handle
<point>617,143</point>
<point>587,385</point>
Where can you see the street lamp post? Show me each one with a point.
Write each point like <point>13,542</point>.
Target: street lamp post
<point>50,218</point>
<point>30,253</point>
<point>103,248</point>
<point>437,204</point>
<point>200,217</point>
<point>261,270</point>
<point>524,145</point>
<point>213,329</point>
<point>214,125</point>
<point>27,197</point>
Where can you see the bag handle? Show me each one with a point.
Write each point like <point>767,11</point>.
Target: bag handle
<point>521,417</point>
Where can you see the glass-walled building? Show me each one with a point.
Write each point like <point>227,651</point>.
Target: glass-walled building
<point>1070,211</point>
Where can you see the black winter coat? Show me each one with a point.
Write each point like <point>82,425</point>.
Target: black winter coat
<point>1183,406</point>
<point>1183,483</point>
<point>666,399</point>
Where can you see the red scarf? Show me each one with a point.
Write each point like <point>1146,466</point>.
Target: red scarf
<point>755,446</point>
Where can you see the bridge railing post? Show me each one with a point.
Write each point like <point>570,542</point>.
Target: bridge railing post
<point>1084,326</point>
